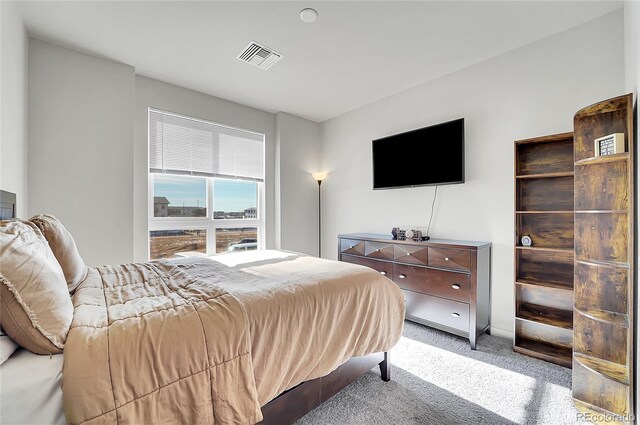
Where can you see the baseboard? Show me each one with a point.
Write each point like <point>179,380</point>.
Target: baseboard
<point>501,333</point>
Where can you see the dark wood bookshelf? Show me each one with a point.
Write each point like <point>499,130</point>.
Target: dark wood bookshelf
<point>546,175</point>
<point>604,248</point>
<point>603,159</point>
<point>544,211</point>
<point>545,248</point>
<point>544,284</point>
<point>609,369</point>
<point>551,353</point>
<point>546,316</point>
<point>619,319</point>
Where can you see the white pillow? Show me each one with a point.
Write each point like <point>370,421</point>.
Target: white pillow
<point>7,346</point>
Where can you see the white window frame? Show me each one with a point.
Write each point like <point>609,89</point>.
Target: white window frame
<point>207,223</point>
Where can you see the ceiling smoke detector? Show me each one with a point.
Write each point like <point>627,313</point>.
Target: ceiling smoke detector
<point>259,55</point>
<point>308,15</point>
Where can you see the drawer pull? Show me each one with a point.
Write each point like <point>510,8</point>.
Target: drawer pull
<point>455,314</point>
<point>408,253</point>
<point>378,250</point>
<point>383,273</point>
<point>446,258</point>
<point>402,276</point>
<point>350,246</point>
<point>455,286</point>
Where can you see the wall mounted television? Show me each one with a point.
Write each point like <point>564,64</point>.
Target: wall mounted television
<point>432,155</point>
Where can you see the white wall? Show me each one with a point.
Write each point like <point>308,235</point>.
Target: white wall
<point>298,155</point>
<point>88,152</point>
<point>167,97</point>
<point>632,46</point>
<point>632,83</point>
<point>80,126</point>
<point>532,91</point>
<point>13,105</point>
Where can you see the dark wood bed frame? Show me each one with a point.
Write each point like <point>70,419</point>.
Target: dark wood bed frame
<point>293,404</point>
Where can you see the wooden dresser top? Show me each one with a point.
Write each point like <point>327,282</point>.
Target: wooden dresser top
<point>375,237</point>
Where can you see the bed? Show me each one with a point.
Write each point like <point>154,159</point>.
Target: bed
<point>37,376</point>
<point>247,337</point>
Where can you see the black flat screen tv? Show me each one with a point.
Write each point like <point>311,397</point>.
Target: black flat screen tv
<point>431,155</point>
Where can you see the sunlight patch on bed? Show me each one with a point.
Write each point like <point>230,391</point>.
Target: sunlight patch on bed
<point>507,389</point>
<point>245,257</point>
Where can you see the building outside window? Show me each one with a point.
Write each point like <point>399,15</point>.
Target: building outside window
<point>206,187</point>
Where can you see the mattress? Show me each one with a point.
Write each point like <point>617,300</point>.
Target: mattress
<point>30,389</point>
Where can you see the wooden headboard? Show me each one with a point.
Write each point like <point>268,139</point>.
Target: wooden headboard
<point>7,205</point>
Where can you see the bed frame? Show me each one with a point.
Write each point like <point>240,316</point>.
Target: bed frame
<point>293,404</point>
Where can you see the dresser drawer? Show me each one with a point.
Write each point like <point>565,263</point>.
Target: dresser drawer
<point>438,310</point>
<point>455,259</point>
<point>452,285</point>
<point>412,254</point>
<point>385,269</point>
<point>351,246</point>
<point>381,250</point>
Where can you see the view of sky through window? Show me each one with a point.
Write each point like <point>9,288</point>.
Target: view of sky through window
<point>234,195</point>
<point>182,191</point>
<point>229,195</point>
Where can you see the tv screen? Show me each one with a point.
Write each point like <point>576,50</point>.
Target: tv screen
<point>431,155</point>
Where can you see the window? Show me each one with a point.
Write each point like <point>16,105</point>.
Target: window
<point>206,187</point>
<point>172,243</point>
<point>175,196</point>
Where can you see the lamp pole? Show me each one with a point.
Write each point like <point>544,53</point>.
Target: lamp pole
<point>319,176</point>
<point>319,221</point>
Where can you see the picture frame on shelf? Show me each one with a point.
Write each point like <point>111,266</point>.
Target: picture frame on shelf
<point>609,145</point>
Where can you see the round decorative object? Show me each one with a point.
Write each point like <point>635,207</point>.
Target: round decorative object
<point>526,240</point>
<point>308,15</point>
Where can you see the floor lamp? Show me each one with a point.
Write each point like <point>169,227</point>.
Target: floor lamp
<point>319,176</point>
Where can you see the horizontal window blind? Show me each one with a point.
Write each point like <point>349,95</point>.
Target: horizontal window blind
<point>183,145</point>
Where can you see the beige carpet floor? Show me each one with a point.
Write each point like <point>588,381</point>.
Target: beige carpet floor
<point>437,379</point>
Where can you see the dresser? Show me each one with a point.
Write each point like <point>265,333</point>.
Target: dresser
<point>446,283</point>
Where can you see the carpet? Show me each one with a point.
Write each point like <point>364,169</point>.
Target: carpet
<point>437,379</point>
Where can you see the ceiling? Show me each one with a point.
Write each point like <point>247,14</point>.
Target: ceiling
<point>354,54</point>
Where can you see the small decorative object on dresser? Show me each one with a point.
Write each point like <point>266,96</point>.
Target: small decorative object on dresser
<point>446,283</point>
<point>415,233</point>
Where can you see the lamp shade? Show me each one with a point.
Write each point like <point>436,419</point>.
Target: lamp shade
<point>319,175</point>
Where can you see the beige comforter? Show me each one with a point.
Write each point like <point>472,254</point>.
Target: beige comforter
<point>210,340</point>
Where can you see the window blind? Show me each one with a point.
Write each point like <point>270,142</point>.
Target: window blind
<point>183,145</point>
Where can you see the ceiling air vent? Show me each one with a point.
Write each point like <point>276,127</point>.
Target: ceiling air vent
<point>259,55</point>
